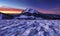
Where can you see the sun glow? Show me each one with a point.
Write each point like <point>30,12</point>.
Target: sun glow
<point>10,11</point>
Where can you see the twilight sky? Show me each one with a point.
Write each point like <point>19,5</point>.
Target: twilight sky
<point>44,6</point>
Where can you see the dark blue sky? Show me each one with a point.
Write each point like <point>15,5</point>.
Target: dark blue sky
<point>49,5</point>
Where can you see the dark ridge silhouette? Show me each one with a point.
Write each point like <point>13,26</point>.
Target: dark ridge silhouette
<point>6,16</point>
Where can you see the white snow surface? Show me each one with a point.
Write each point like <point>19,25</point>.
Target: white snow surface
<point>29,27</point>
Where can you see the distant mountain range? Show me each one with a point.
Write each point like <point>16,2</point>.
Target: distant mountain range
<point>29,14</point>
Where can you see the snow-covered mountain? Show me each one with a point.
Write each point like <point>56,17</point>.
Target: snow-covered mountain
<point>29,14</point>
<point>34,14</point>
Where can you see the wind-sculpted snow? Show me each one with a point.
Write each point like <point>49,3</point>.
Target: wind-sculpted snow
<point>29,27</point>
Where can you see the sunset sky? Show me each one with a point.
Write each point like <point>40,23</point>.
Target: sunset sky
<point>44,6</point>
<point>10,10</point>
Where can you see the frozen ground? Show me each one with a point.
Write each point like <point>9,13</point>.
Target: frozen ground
<point>29,27</point>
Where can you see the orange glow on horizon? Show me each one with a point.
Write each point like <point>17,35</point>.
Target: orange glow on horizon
<point>10,11</point>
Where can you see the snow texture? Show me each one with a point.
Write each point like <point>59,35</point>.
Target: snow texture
<point>29,27</point>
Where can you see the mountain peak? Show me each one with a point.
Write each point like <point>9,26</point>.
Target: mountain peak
<point>30,10</point>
